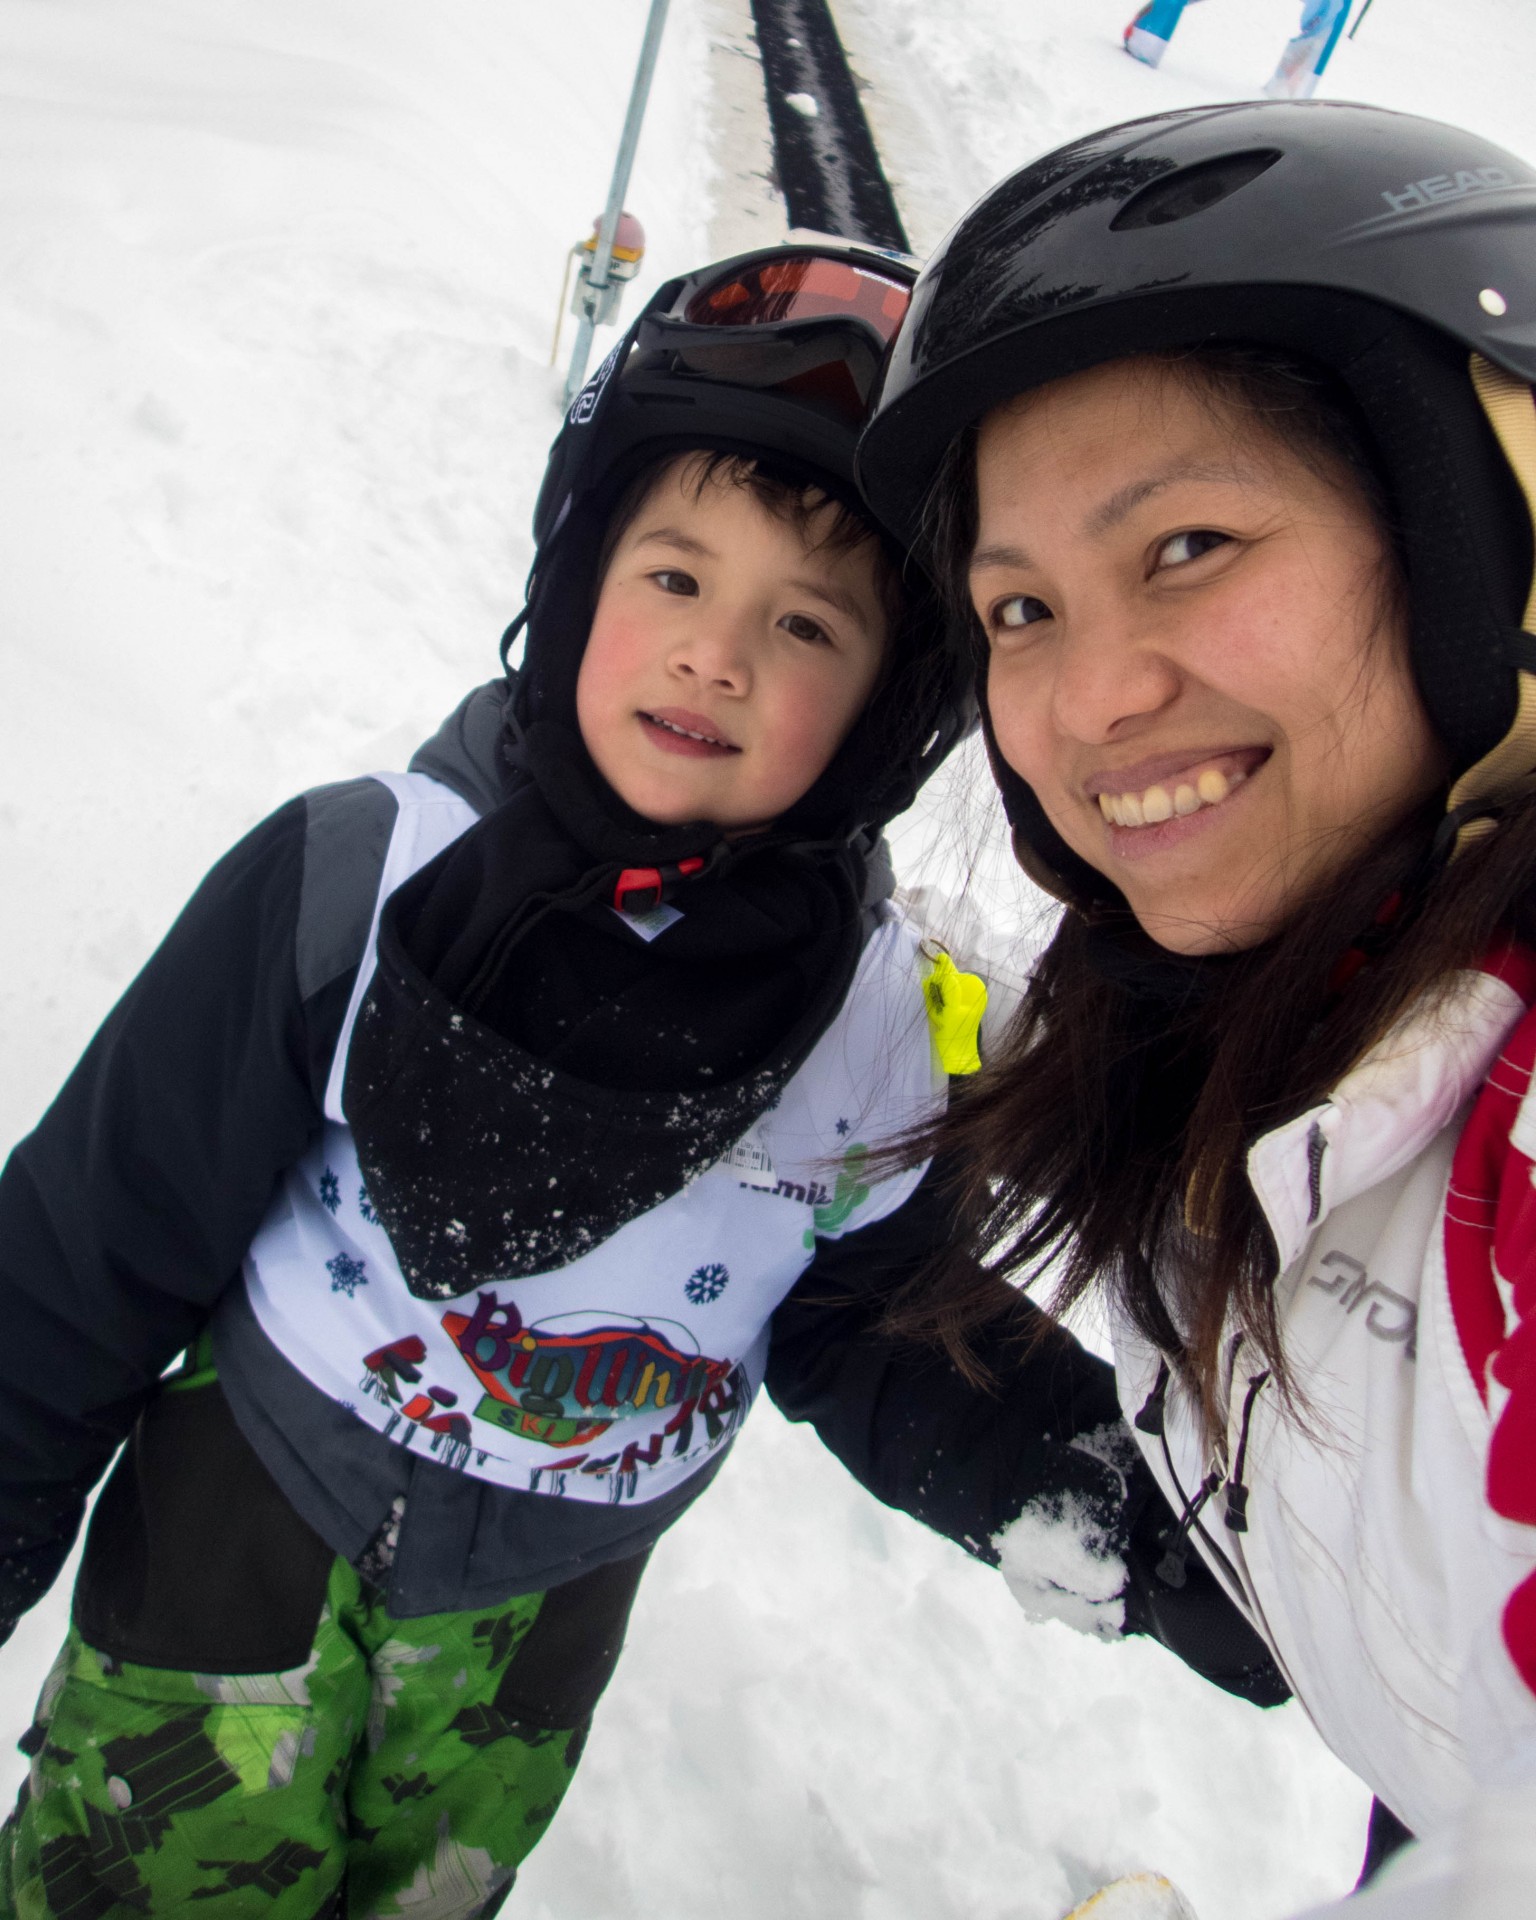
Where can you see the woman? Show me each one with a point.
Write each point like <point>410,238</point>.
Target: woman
<point>1221,428</point>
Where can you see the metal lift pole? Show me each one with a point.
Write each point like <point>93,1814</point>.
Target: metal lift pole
<point>629,140</point>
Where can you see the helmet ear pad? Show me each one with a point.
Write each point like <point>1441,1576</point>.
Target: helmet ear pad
<point>1463,531</point>
<point>1460,524</point>
<point>562,597</point>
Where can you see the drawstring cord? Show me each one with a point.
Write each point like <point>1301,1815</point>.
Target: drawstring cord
<point>1152,1419</point>
<point>1173,1568</point>
<point>507,639</point>
<point>1237,1493</point>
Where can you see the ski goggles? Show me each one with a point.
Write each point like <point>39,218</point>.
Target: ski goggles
<point>810,327</point>
<point>804,287</point>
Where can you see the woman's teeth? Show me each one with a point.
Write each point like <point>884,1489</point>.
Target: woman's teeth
<point>1159,803</point>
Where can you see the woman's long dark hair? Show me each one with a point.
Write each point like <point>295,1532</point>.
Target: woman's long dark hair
<point>1106,1139</point>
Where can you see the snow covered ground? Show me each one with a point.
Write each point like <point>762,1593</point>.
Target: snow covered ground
<point>277,287</point>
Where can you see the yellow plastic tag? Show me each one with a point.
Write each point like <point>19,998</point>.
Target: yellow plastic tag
<point>956,1002</point>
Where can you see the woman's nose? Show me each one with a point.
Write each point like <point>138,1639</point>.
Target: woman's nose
<point>1110,673</point>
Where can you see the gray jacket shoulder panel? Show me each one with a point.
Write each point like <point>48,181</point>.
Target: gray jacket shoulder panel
<point>346,839</point>
<point>879,872</point>
<point>464,752</point>
<point>348,830</point>
<point>879,881</point>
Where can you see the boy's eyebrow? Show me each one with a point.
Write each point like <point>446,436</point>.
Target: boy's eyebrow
<point>843,602</point>
<point>675,537</point>
<point>846,603</point>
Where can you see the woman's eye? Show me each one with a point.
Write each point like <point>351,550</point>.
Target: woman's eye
<point>1019,610</point>
<point>1181,548</point>
<point>803,627</point>
<point>674,580</point>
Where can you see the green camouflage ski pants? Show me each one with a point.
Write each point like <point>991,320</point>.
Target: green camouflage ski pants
<point>390,1774</point>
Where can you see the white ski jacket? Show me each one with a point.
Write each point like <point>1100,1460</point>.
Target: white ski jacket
<point>1385,1542</point>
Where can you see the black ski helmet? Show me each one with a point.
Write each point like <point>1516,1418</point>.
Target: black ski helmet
<point>1397,252</point>
<point>773,355</point>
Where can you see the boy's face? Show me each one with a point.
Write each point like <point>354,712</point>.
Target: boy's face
<point>729,654</point>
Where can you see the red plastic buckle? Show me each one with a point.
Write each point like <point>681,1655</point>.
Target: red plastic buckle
<point>642,889</point>
<point>637,890</point>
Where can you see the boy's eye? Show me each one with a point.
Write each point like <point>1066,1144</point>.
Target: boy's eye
<point>1018,610</point>
<point>803,627</point>
<point>674,580</point>
<point>1180,548</point>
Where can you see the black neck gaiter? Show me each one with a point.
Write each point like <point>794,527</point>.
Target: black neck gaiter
<point>528,1073</point>
<point>1158,981</point>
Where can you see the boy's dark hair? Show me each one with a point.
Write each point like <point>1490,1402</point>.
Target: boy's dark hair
<point>794,501</point>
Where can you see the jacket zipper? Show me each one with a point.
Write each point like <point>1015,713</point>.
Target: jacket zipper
<point>1317,1146</point>
<point>1237,1494</point>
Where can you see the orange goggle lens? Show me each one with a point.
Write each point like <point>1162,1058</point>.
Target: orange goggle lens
<point>806,288</point>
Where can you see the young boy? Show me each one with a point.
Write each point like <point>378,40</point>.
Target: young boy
<point>466,1130</point>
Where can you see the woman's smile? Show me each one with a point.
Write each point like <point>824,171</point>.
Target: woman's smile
<point>1192,657</point>
<point>1175,787</point>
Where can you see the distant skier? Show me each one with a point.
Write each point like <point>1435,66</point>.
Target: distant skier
<point>1301,64</point>
<point>1146,38</point>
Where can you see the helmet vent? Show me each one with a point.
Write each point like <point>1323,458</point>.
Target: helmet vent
<point>1192,189</point>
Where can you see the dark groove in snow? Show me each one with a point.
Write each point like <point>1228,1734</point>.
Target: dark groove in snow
<point>829,169</point>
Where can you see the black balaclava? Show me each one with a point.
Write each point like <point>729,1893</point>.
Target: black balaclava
<point>527,1073</point>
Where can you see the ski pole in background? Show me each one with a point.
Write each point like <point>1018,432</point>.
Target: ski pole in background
<point>1359,17</point>
<point>597,289</point>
